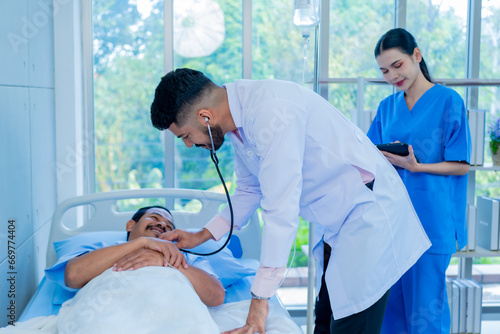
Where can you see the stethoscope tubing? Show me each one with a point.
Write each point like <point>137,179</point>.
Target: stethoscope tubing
<point>216,163</point>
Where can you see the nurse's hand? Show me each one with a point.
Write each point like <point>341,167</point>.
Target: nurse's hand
<point>408,162</point>
<point>256,320</point>
<point>185,239</point>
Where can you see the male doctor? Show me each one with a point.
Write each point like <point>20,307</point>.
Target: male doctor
<point>295,154</point>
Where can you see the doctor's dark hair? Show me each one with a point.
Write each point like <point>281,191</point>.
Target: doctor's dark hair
<point>142,211</point>
<point>177,91</point>
<point>403,40</point>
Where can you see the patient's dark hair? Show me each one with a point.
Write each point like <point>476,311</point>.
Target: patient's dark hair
<point>177,91</point>
<point>139,213</point>
<point>403,40</point>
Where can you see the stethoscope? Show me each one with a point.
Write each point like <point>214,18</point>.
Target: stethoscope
<point>216,163</point>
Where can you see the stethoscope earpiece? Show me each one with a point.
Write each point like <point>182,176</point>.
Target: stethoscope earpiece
<point>210,134</point>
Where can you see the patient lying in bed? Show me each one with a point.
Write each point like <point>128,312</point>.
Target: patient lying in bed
<point>152,297</point>
<point>142,249</point>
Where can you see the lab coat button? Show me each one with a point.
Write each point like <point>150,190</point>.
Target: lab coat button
<point>249,153</point>
<point>359,138</point>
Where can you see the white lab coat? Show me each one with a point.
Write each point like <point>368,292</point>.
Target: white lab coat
<point>298,155</point>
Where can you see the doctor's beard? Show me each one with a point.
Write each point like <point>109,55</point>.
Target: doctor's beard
<point>217,136</point>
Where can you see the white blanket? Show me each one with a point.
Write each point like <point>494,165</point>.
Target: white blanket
<point>234,315</point>
<point>148,300</point>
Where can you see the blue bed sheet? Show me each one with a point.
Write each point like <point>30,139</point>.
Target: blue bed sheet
<point>41,302</point>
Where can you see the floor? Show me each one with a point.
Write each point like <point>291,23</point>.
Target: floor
<point>294,298</point>
<point>487,327</point>
<point>490,324</point>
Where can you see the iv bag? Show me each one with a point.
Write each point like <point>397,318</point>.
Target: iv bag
<point>306,13</point>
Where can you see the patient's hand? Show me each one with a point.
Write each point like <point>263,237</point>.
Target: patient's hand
<point>138,259</point>
<point>171,254</point>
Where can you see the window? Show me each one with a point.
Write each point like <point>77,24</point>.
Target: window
<point>128,45</point>
<point>128,63</point>
<point>440,30</point>
<point>488,182</point>
<point>208,38</point>
<point>355,28</point>
<point>277,44</point>
<point>489,97</point>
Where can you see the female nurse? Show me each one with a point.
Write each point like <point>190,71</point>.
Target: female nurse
<point>432,120</point>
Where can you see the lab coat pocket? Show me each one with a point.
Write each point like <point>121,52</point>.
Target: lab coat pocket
<point>332,209</point>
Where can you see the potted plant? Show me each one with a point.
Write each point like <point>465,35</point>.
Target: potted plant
<point>494,132</point>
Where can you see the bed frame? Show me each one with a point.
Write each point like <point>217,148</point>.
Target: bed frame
<point>103,217</point>
<point>99,208</point>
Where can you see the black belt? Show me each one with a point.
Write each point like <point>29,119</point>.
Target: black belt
<point>370,184</point>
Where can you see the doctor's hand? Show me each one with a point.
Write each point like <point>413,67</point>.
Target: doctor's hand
<point>256,320</point>
<point>171,254</point>
<point>185,239</point>
<point>138,259</point>
<point>408,162</point>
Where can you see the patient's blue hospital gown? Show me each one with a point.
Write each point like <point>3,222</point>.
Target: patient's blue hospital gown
<point>56,272</point>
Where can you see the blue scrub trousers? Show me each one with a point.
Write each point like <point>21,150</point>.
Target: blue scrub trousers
<point>418,302</point>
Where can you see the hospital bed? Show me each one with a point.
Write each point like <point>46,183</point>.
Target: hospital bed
<point>104,221</point>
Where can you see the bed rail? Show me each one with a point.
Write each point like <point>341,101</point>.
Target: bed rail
<point>100,215</point>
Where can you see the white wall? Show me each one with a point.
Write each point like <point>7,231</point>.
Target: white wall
<point>27,145</point>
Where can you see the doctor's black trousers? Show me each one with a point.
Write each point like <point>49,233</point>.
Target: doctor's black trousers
<point>368,321</point>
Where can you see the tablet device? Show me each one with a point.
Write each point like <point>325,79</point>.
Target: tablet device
<point>395,148</point>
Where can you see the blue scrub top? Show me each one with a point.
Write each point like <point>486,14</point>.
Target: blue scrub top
<point>438,130</point>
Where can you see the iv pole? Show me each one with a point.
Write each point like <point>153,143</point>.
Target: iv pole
<point>311,268</point>
<point>304,17</point>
